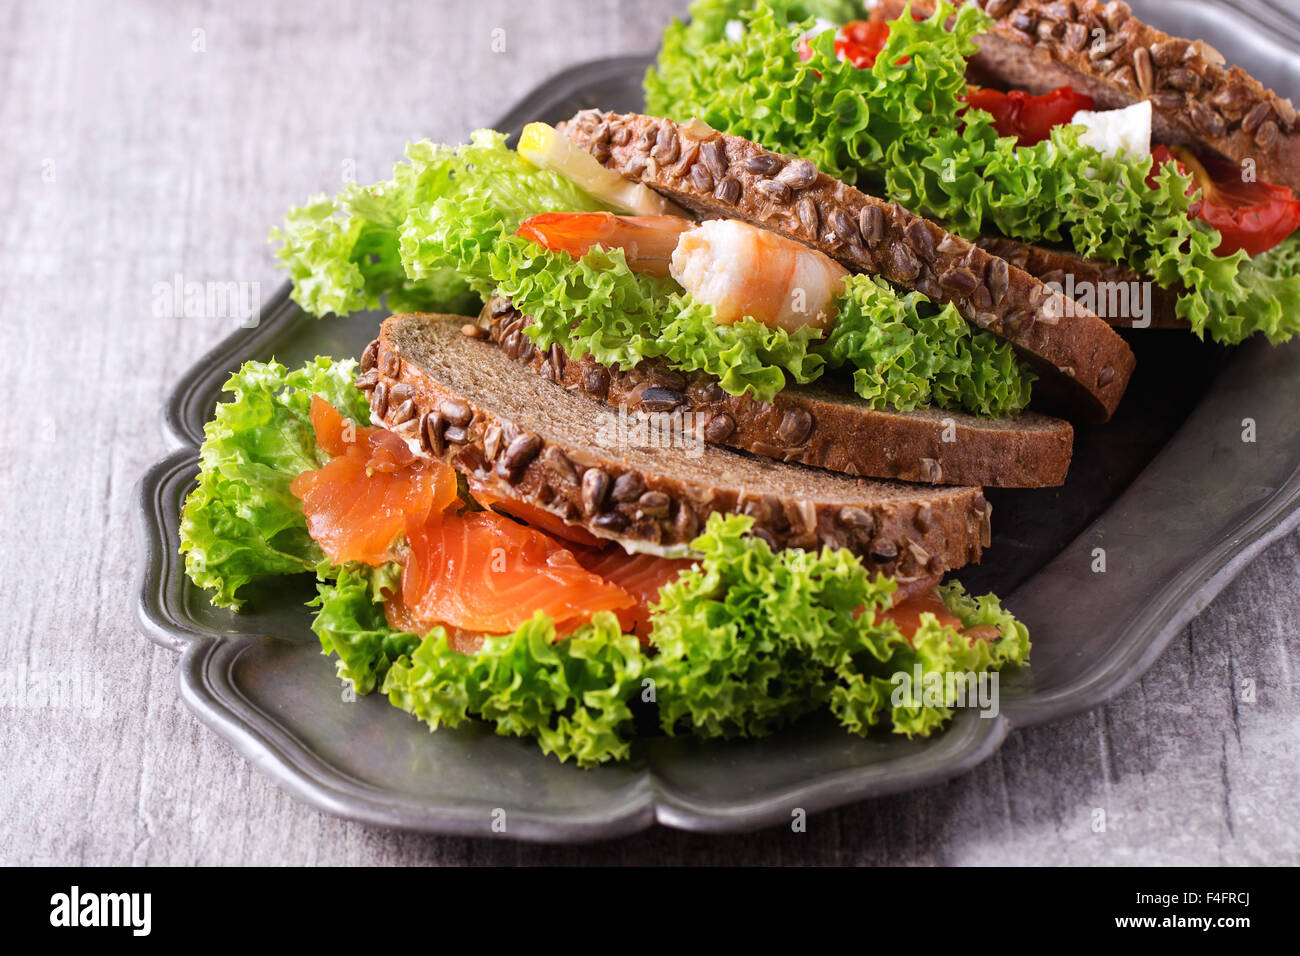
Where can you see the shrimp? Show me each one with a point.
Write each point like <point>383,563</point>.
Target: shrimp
<point>739,269</point>
<point>647,241</point>
<point>742,270</point>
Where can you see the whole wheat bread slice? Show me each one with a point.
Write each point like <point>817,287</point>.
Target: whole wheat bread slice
<point>477,410</point>
<point>1103,50</point>
<point>813,425</point>
<point>1084,366</point>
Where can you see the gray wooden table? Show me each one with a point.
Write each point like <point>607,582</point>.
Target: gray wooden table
<point>145,141</point>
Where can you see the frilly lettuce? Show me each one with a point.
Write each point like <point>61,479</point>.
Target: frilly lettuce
<point>895,128</point>
<point>903,352</point>
<point>596,305</point>
<point>344,254</point>
<point>350,622</point>
<point>745,642</point>
<point>938,650</point>
<point>572,695</point>
<point>752,638</point>
<point>241,522</point>
<point>906,354</point>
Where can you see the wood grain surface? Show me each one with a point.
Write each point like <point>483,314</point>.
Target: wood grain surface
<point>146,140</point>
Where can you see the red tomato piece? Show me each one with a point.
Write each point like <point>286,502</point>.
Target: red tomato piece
<point>858,42</point>
<point>1025,116</point>
<point>1254,216</point>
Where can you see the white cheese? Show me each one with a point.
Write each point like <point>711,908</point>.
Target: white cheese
<point>820,25</point>
<point>1113,131</point>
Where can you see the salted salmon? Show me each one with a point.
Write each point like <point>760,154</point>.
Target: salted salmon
<point>371,490</point>
<point>401,618</point>
<point>487,573</point>
<point>641,575</point>
<point>533,515</point>
<point>474,574</point>
<point>907,613</point>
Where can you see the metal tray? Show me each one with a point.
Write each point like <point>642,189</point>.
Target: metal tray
<point>1169,489</point>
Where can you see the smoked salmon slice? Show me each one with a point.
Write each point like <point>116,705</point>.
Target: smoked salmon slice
<point>641,575</point>
<point>475,574</point>
<point>401,618</point>
<point>486,573</point>
<point>907,613</point>
<point>532,515</point>
<point>370,492</point>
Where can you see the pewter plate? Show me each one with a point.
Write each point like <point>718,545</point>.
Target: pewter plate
<point>1171,492</point>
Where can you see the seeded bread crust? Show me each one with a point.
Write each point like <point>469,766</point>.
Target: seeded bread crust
<point>472,407</point>
<point>1103,50</point>
<point>1056,265</point>
<point>811,425</point>
<point>1083,364</point>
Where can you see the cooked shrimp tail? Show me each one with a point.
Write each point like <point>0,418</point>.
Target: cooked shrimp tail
<point>742,270</point>
<point>647,241</point>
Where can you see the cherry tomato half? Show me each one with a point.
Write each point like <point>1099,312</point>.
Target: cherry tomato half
<point>859,42</point>
<point>1027,117</point>
<point>1254,216</point>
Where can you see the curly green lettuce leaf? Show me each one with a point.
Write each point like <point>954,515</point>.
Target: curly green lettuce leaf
<point>744,642</point>
<point>1267,290</point>
<point>241,523</point>
<point>900,129</point>
<point>751,638</point>
<point>571,695</point>
<point>596,305</point>
<point>903,353</point>
<point>351,625</point>
<point>494,191</point>
<point>344,254</point>
<point>708,23</point>
<point>906,354</point>
<point>937,654</point>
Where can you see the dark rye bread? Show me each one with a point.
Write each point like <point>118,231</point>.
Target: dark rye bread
<point>1083,364</point>
<point>1059,265</point>
<point>477,410</point>
<point>1103,50</point>
<point>811,425</point>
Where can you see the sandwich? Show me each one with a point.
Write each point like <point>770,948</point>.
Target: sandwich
<point>1081,363</point>
<point>670,269</point>
<point>1134,171</point>
<point>480,555</point>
